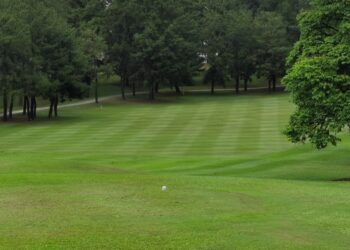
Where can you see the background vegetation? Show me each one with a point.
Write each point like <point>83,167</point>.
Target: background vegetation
<point>57,51</point>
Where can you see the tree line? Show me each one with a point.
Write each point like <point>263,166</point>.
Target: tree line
<point>55,50</point>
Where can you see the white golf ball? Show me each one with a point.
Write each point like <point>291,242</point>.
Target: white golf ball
<point>164,188</point>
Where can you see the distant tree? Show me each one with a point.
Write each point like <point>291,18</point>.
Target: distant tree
<point>40,56</point>
<point>168,45</point>
<point>94,50</point>
<point>181,45</point>
<point>241,43</point>
<point>124,19</point>
<point>214,49</point>
<point>214,76</point>
<point>153,40</point>
<point>87,19</point>
<point>288,9</point>
<point>273,46</point>
<point>14,50</point>
<point>230,45</point>
<point>319,77</point>
<point>58,61</point>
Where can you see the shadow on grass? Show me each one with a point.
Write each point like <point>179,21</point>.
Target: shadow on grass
<point>41,119</point>
<point>202,95</point>
<point>342,180</point>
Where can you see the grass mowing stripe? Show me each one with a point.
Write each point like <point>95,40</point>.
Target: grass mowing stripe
<point>268,126</point>
<point>251,126</point>
<point>224,138</point>
<point>204,134</point>
<point>179,146</point>
<point>145,129</point>
<point>160,136</point>
<point>58,138</point>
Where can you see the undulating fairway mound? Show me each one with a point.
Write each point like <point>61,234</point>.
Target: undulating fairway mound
<point>93,178</point>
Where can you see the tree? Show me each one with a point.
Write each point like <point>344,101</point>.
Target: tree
<point>214,76</point>
<point>124,19</point>
<point>273,46</point>
<point>86,17</point>
<point>241,43</point>
<point>94,47</point>
<point>214,47</point>
<point>14,49</point>
<point>40,56</point>
<point>181,43</point>
<point>57,63</point>
<point>153,40</point>
<point>167,47</point>
<point>319,77</point>
<point>230,44</point>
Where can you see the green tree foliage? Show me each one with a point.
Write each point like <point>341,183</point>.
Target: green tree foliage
<point>242,45</point>
<point>243,38</point>
<point>87,19</point>
<point>94,49</point>
<point>319,78</point>
<point>156,40</point>
<point>41,56</point>
<point>214,35</point>
<point>59,48</point>
<point>273,46</point>
<point>123,21</point>
<point>287,9</point>
<point>58,60</point>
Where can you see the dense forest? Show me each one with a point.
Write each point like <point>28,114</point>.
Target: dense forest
<point>55,50</point>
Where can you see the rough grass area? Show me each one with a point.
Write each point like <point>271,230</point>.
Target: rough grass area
<point>92,179</point>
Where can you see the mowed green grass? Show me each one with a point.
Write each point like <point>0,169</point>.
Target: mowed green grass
<point>92,179</point>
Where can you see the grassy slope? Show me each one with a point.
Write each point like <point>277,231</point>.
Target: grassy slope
<point>92,179</point>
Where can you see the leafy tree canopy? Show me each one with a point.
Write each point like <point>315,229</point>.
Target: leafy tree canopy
<point>319,77</point>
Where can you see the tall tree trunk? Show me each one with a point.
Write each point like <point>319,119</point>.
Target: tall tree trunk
<point>270,82</point>
<point>246,84</point>
<point>24,105</point>
<point>212,87</point>
<point>274,80</point>
<point>133,88</point>
<point>52,103</point>
<point>4,116</point>
<point>34,109</point>
<point>237,84</point>
<point>96,90</point>
<point>178,90</point>
<point>152,90</point>
<point>32,113</point>
<point>11,106</point>
<point>122,85</point>
<point>156,88</point>
<point>28,108</point>
<point>55,107</point>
